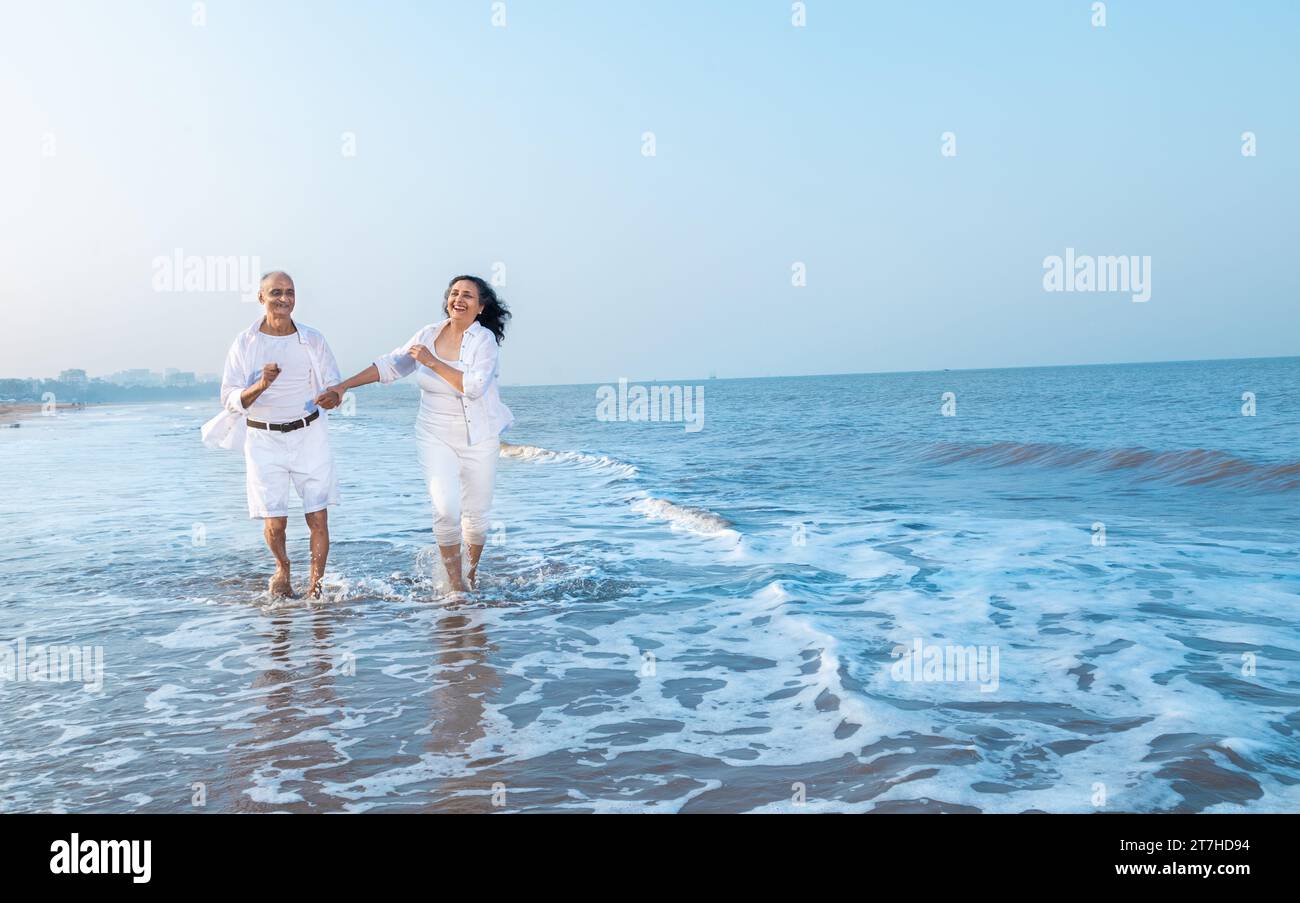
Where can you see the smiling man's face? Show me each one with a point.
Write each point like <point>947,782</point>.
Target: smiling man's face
<point>277,295</point>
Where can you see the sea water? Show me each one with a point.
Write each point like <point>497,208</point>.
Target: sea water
<point>1063,589</point>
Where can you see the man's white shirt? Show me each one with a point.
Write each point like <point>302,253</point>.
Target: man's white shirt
<point>244,368</point>
<point>292,395</point>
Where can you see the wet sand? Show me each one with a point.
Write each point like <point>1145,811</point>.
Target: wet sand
<point>11,414</point>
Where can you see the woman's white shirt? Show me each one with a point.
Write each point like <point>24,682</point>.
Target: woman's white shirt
<point>480,403</point>
<point>439,398</point>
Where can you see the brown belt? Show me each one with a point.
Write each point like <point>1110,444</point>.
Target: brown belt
<point>285,427</point>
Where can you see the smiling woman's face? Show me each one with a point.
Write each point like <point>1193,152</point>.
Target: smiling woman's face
<point>463,304</point>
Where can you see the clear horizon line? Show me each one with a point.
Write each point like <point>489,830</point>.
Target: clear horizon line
<point>1205,360</point>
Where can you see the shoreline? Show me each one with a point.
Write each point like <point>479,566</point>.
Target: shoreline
<point>14,414</point>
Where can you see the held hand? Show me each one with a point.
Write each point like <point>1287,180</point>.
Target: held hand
<point>269,373</point>
<point>330,399</point>
<point>421,355</point>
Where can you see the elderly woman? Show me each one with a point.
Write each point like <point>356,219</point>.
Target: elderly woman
<point>461,414</point>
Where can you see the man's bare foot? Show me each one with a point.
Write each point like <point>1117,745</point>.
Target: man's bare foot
<point>471,579</point>
<point>314,591</point>
<point>280,585</point>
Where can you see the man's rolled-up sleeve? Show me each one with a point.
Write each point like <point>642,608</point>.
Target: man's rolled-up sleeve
<point>329,365</point>
<point>234,380</point>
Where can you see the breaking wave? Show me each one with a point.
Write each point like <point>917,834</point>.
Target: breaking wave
<point>686,517</point>
<point>619,469</point>
<point>701,521</point>
<point>1193,467</point>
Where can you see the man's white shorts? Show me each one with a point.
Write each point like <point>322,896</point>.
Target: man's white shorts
<point>274,460</point>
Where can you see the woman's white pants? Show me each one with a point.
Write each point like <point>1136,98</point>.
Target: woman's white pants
<point>460,478</point>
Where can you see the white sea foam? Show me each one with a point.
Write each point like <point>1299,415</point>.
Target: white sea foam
<point>620,469</point>
<point>692,519</point>
<point>755,646</point>
<point>114,759</point>
<point>685,517</point>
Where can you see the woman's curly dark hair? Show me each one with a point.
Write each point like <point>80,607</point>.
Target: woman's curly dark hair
<point>494,315</point>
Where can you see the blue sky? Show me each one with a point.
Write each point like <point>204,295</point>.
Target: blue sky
<point>774,144</point>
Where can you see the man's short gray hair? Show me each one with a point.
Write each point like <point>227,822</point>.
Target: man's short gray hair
<point>266,276</point>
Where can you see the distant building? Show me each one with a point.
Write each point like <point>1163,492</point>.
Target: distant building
<point>134,377</point>
<point>73,377</point>
<point>178,378</point>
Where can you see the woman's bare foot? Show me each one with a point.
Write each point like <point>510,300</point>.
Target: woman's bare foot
<point>451,561</point>
<point>280,585</point>
<point>475,552</point>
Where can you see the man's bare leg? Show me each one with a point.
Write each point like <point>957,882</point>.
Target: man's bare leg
<point>318,523</point>
<point>273,529</point>
<point>475,552</point>
<point>451,561</point>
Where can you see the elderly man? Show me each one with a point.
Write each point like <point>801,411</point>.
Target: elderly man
<point>273,372</point>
